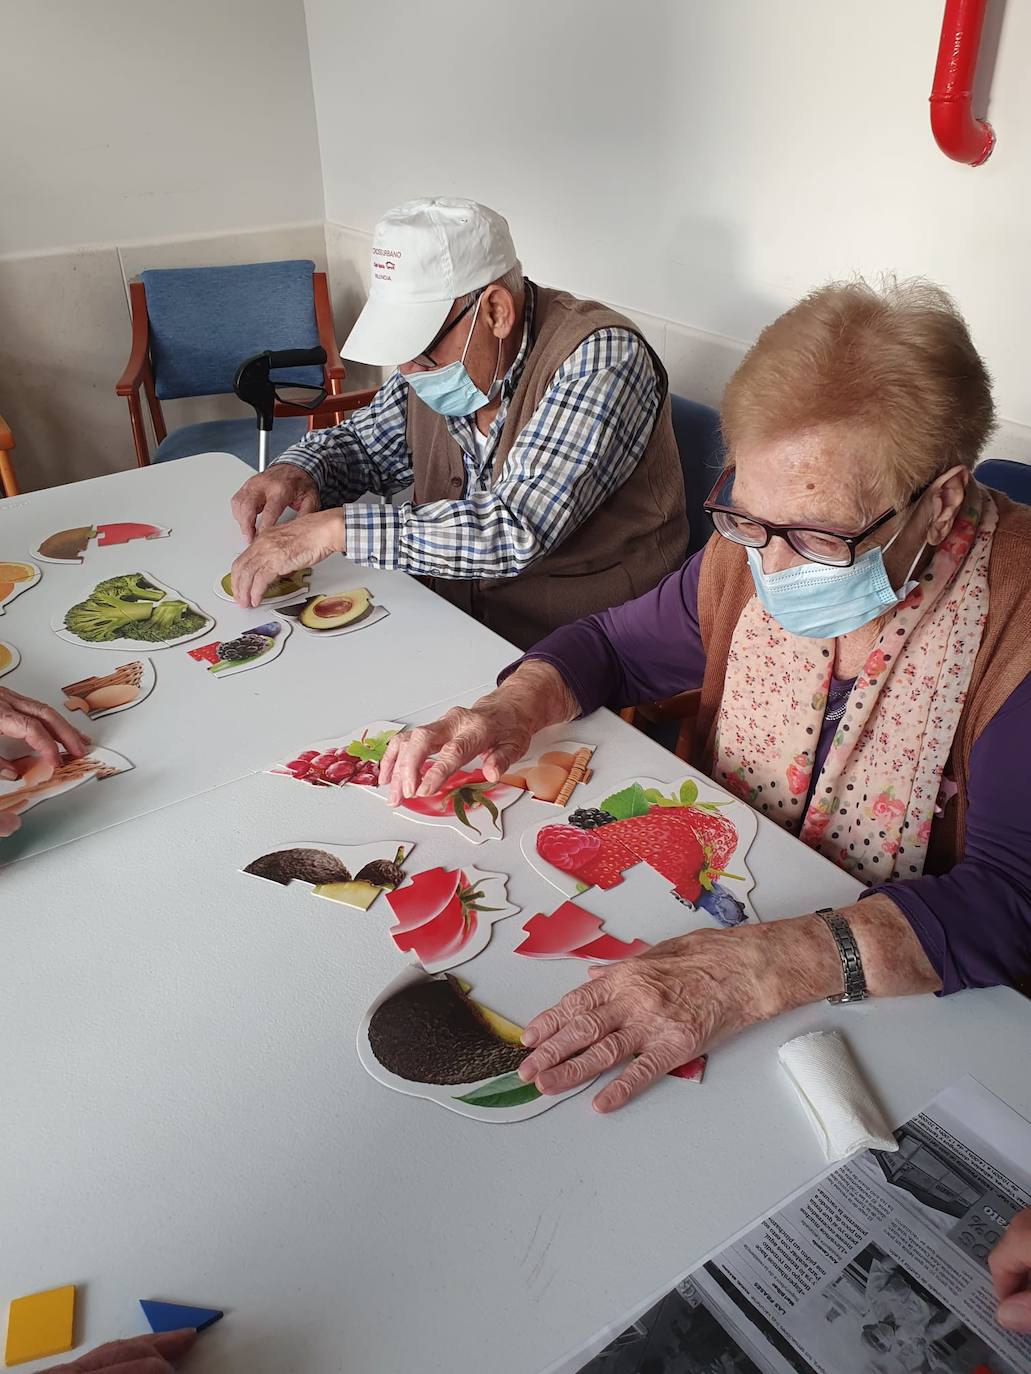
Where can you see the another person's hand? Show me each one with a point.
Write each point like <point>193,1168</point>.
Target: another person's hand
<point>658,1010</point>
<point>44,730</point>
<point>283,549</point>
<point>1010,1266</point>
<point>268,494</point>
<point>157,1354</point>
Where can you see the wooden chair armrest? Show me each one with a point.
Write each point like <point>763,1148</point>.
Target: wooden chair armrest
<point>136,368</point>
<point>332,405</point>
<point>684,706</point>
<point>334,366</point>
<point>6,437</point>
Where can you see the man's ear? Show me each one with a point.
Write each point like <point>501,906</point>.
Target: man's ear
<point>948,500</point>
<point>498,307</point>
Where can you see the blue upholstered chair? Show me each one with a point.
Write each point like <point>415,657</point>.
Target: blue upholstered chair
<point>697,431</point>
<point>1013,479</point>
<point>191,329</point>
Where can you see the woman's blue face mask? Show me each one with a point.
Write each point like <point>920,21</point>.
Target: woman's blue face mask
<point>449,390</point>
<point>817,601</point>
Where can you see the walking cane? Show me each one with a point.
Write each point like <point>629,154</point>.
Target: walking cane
<point>253,385</point>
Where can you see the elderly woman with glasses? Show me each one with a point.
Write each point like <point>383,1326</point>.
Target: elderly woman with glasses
<point>859,631</point>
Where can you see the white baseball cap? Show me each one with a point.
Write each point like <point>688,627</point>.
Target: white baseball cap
<point>425,254</point>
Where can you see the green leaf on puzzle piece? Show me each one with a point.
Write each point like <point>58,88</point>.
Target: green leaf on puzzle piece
<point>372,748</point>
<point>632,801</point>
<point>507,1091</point>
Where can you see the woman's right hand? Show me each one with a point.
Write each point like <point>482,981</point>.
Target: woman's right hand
<point>158,1354</point>
<point>499,727</point>
<point>44,730</point>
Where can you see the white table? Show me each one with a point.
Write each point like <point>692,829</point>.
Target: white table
<point>195,731</point>
<point>184,1115</point>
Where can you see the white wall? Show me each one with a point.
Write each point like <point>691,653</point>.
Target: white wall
<point>704,163</point>
<point>128,119</point>
<point>136,133</point>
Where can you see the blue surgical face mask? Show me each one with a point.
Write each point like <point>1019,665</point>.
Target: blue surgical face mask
<point>449,390</point>
<point>817,601</point>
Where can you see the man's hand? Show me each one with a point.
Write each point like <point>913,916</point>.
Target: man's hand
<point>269,494</point>
<point>44,730</point>
<point>1010,1266</point>
<point>157,1354</point>
<point>275,552</point>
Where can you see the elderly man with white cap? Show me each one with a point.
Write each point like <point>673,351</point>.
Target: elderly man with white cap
<point>534,426</point>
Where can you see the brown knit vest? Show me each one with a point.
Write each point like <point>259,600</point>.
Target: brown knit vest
<point>1002,662</point>
<point>632,540</point>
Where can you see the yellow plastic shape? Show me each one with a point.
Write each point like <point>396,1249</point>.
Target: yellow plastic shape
<point>40,1325</point>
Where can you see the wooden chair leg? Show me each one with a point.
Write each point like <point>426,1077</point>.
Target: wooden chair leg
<point>8,481</point>
<point>139,432</point>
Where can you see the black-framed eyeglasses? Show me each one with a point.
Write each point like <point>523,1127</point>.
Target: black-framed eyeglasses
<point>817,543</point>
<point>425,359</point>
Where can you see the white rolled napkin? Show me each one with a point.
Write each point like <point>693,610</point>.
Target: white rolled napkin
<point>834,1095</point>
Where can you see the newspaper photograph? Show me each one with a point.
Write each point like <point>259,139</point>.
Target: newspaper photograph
<point>879,1268</point>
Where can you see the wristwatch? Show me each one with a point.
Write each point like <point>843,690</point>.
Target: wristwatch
<point>851,961</point>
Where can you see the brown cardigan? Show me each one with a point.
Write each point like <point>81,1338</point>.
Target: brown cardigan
<point>1002,663</point>
<point>625,548</point>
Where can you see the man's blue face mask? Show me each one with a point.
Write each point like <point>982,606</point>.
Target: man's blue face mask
<point>449,390</point>
<point>817,601</point>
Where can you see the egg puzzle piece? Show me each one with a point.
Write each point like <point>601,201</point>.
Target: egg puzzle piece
<point>16,578</point>
<point>40,1325</point>
<point>126,687</point>
<point>694,835</point>
<point>128,611</point>
<point>552,774</point>
<point>334,613</point>
<point>427,1037</point>
<point>354,875</point>
<point>445,916</point>
<point>253,647</point>
<point>9,658</point>
<point>173,1316</point>
<point>69,546</point>
<point>38,782</point>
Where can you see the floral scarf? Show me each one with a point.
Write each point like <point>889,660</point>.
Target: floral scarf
<point>874,800</point>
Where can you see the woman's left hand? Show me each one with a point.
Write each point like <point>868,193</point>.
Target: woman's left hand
<point>658,1009</point>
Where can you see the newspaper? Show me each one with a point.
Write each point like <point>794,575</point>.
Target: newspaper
<point>880,1268</point>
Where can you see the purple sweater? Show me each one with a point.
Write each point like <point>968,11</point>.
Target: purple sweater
<point>974,922</point>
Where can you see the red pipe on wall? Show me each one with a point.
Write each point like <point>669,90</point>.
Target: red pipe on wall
<point>957,133</point>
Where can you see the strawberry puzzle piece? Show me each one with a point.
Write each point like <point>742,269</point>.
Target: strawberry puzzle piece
<point>688,841</point>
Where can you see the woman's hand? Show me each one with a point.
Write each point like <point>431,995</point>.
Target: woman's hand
<point>674,1002</point>
<point>44,730</point>
<point>157,1354</point>
<point>283,549</point>
<point>499,726</point>
<point>1010,1266</point>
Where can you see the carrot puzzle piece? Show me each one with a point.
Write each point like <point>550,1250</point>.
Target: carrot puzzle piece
<point>40,1325</point>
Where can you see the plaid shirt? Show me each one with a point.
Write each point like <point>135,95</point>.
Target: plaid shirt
<point>582,442</point>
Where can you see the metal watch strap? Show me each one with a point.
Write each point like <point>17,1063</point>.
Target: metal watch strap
<point>851,961</point>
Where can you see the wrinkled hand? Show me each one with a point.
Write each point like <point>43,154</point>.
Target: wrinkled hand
<point>157,1354</point>
<point>268,494</point>
<point>44,730</point>
<point>498,730</point>
<point>1010,1266</point>
<point>664,1007</point>
<point>275,552</point>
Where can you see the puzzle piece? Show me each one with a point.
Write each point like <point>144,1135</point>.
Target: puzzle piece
<point>444,916</point>
<point>570,932</point>
<point>172,1316</point>
<point>40,1325</point>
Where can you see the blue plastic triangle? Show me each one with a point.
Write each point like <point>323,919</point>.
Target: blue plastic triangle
<point>170,1316</point>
